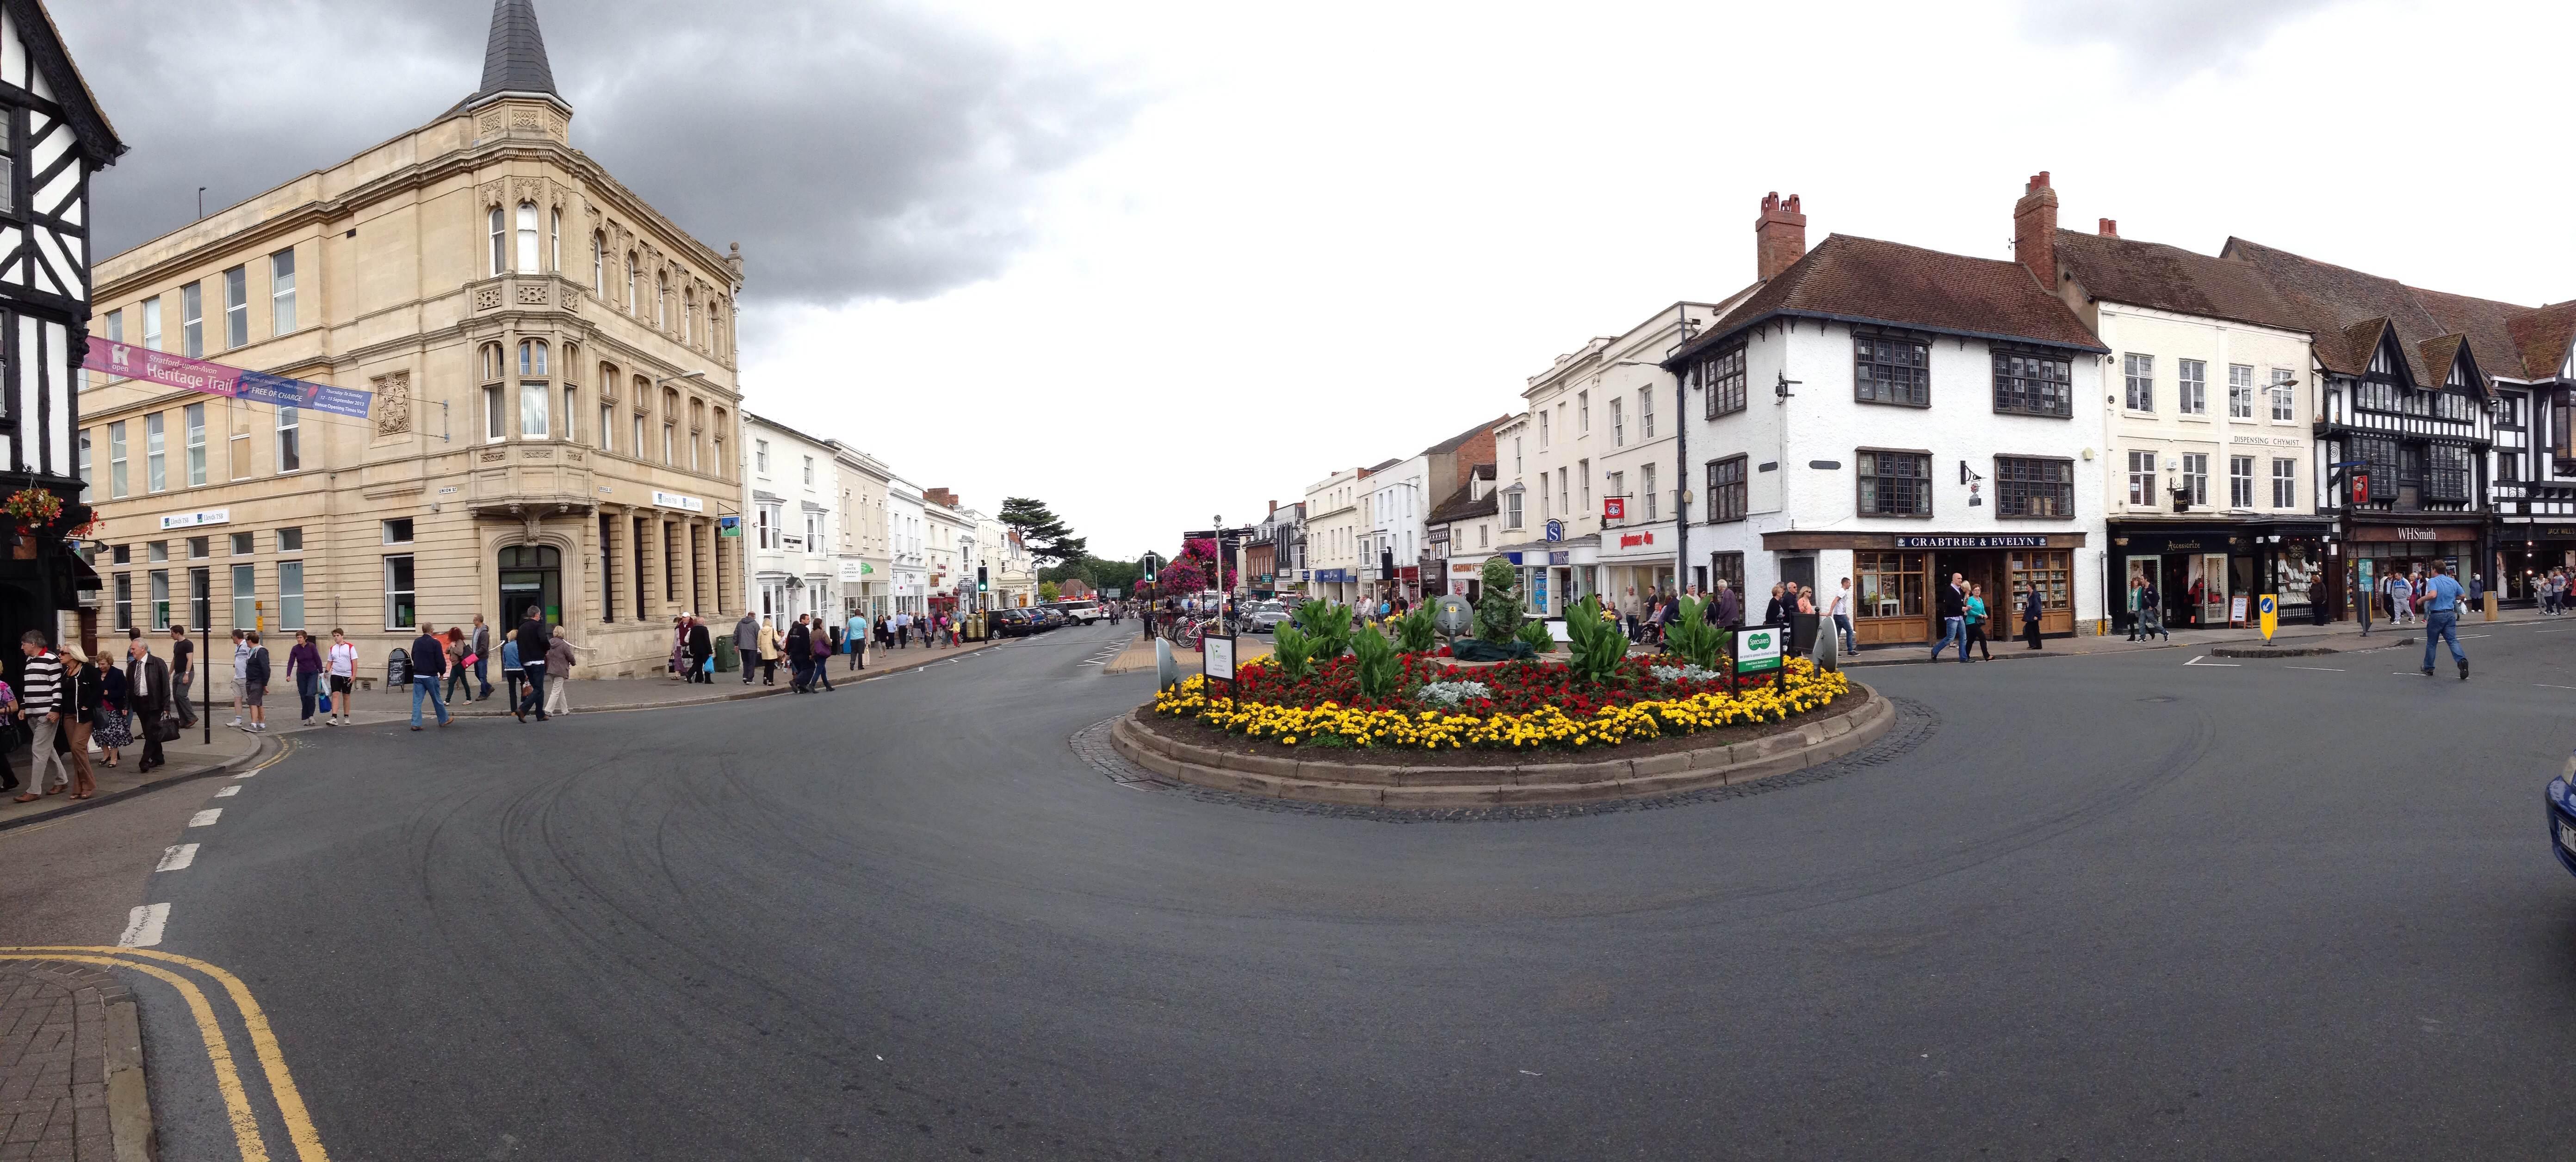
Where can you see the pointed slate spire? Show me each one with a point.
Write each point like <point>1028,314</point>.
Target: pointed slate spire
<point>514,60</point>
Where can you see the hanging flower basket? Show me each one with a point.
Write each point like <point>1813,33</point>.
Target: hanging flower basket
<point>34,509</point>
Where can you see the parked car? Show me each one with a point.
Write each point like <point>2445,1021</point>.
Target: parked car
<point>1011,623</point>
<point>1085,612</point>
<point>2559,802</point>
<point>1265,617</point>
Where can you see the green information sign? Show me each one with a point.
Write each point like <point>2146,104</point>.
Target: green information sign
<point>1757,650</point>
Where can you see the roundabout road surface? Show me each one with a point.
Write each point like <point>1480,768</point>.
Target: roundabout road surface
<point>2101,907</point>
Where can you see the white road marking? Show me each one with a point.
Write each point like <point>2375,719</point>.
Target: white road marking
<point>2320,669</point>
<point>2547,686</point>
<point>2467,636</point>
<point>235,789</point>
<point>2555,631</point>
<point>143,926</point>
<point>176,857</point>
<point>206,818</point>
<point>2203,660</point>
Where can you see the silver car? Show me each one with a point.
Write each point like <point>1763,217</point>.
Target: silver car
<point>1265,617</point>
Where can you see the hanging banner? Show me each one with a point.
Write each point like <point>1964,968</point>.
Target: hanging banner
<point>198,375</point>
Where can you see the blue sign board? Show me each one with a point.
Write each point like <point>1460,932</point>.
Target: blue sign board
<point>1556,530</point>
<point>1560,557</point>
<point>1334,575</point>
<point>262,387</point>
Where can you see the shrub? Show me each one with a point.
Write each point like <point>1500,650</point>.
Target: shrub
<point>1498,609</point>
<point>1378,665</point>
<point>1288,649</point>
<point>1535,635</point>
<point>1692,637</point>
<point>1328,628</point>
<point>1450,694</point>
<point>1414,631</point>
<point>1596,646</point>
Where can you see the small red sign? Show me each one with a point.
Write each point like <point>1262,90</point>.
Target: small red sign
<point>2361,488</point>
<point>1614,508</point>
<point>1632,540</point>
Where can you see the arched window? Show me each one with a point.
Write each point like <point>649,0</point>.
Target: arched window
<point>599,267</point>
<point>637,418</point>
<point>723,466</point>
<point>661,301</point>
<point>495,421</point>
<point>632,306</point>
<point>670,427</point>
<point>500,245</point>
<point>527,238</point>
<point>688,316</point>
<point>554,241</point>
<point>531,575</point>
<point>532,357</point>
<point>715,326</point>
<point>607,407</point>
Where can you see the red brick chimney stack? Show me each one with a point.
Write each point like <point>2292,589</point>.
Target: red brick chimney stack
<point>2035,230</point>
<point>1779,236</point>
<point>2109,229</point>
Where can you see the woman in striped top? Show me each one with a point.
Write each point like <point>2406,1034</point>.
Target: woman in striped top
<point>39,700</point>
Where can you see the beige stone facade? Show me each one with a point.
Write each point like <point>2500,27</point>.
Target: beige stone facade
<point>554,416</point>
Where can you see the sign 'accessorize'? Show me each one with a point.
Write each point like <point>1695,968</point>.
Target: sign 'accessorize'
<point>1757,650</point>
<point>198,375</point>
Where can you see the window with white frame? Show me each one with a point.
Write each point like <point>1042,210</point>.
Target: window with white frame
<point>196,415</point>
<point>554,240</point>
<point>2142,478</point>
<point>528,238</point>
<point>495,414</point>
<point>237,308</point>
<point>116,460</point>
<point>401,599</point>
<point>500,245</point>
<point>2240,478</point>
<point>2285,482</point>
<point>1583,413</point>
<point>86,477</point>
<point>290,448</point>
<point>1646,474</point>
<point>760,456</point>
<point>765,523</point>
<point>2284,403</point>
<point>2195,476</point>
<point>814,533</point>
<point>809,472</point>
<point>2141,374</point>
<point>281,291</point>
<point>2240,391</point>
<point>2194,378</point>
<point>1618,423</point>
<point>155,476</point>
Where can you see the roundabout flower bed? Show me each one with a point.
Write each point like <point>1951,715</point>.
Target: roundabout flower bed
<point>1519,706</point>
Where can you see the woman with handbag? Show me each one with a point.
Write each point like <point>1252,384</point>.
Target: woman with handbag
<point>304,665</point>
<point>110,732</point>
<point>558,671</point>
<point>460,663</point>
<point>80,696</point>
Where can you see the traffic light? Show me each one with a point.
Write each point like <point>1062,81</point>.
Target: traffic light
<point>983,584</point>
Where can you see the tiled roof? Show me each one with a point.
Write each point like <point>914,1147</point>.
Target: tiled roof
<point>2542,334</point>
<point>1462,505</point>
<point>1853,279</point>
<point>2151,274</point>
<point>1453,443</point>
<point>2340,304</point>
<point>2488,325</point>
<point>514,56</point>
<point>2438,354</point>
<point>1375,468</point>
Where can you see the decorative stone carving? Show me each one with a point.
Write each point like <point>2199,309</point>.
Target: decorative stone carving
<point>573,454</point>
<point>523,119</point>
<point>393,403</point>
<point>491,192</point>
<point>491,457</point>
<point>536,453</point>
<point>532,294</point>
<point>526,189</point>
<point>487,298</point>
<point>555,126</point>
<point>490,126</point>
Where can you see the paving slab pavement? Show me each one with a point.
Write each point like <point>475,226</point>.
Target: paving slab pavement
<point>194,755</point>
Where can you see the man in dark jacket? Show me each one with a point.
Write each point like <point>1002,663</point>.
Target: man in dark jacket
<point>1726,609</point>
<point>799,651</point>
<point>428,665</point>
<point>701,647</point>
<point>1953,611</point>
<point>2031,609</point>
<point>746,642</point>
<point>147,693</point>
<point>533,640</point>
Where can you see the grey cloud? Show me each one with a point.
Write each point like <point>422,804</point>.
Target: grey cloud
<point>2164,41</point>
<point>857,149</point>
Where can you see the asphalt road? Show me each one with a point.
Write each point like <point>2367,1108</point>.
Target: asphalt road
<point>2110,907</point>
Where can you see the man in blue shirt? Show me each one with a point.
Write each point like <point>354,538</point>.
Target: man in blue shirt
<point>857,638</point>
<point>2442,596</point>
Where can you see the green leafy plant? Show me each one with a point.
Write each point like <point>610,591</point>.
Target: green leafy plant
<point>1379,668</point>
<point>1498,608</point>
<point>1328,629</point>
<point>1535,635</point>
<point>1692,637</point>
<point>1414,631</point>
<point>1597,646</point>
<point>1288,650</point>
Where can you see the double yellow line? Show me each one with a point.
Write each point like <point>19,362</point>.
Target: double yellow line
<point>263,1041</point>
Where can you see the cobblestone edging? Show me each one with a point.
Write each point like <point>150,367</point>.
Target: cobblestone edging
<point>71,1065</point>
<point>1287,776</point>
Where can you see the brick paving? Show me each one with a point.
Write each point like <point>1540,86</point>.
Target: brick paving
<point>53,1061</point>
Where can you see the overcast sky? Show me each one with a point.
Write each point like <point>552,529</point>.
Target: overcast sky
<point>1158,262</point>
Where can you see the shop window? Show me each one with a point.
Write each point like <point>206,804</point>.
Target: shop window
<point>1891,584</point>
<point>2033,486</point>
<point>2050,571</point>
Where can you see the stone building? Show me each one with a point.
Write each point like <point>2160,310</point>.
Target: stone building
<point>554,408</point>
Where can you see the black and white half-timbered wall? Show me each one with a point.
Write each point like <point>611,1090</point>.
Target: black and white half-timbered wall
<point>2418,495</point>
<point>2534,489</point>
<point>52,138</point>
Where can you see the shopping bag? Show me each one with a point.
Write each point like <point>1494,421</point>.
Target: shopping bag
<point>325,703</point>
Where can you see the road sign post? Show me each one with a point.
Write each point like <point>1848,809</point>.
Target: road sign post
<point>2269,606</point>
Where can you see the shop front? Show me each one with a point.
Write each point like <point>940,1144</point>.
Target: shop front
<point>1465,577</point>
<point>1636,564</point>
<point>2525,552</point>
<point>2380,547</point>
<point>1895,577</point>
<point>1557,574</point>
<point>2209,573</point>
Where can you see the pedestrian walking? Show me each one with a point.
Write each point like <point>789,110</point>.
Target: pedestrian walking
<point>800,659</point>
<point>148,690</point>
<point>183,675</point>
<point>819,641</point>
<point>2442,594</point>
<point>1951,603</point>
<point>2137,606</point>
<point>1725,610</point>
<point>8,736</point>
<point>254,695</point>
<point>2369,598</point>
<point>2401,599</point>
<point>343,663</point>
<point>858,642</point>
<point>481,641</point>
<point>769,651</point>
<point>40,705</point>
<point>903,631</point>
<point>559,672</point>
<point>2151,607</point>
<point>702,652</point>
<point>533,640</point>
<point>511,670</point>
<point>428,665</point>
<point>2031,609</point>
<point>1977,624</point>
<point>241,662</point>
<point>304,667</point>
<point>1772,612</point>
<point>1841,610</point>
<point>746,642</point>
<point>679,647</point>
<point>460,663</point>
<point>80,702</point>
<point>110,731</point>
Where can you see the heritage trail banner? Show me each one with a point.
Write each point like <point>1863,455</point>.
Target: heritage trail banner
<point>198,375</point>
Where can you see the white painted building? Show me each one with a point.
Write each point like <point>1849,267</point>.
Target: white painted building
<point>907,533</point>
<point>864,559</point>
<point>1895,415</point>
<point>793,528</point>
<point>1333,531</point>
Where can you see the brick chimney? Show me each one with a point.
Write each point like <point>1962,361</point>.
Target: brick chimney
<point>1779,236</point>
<point>2035,230</point>
<point>2108,229</point>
